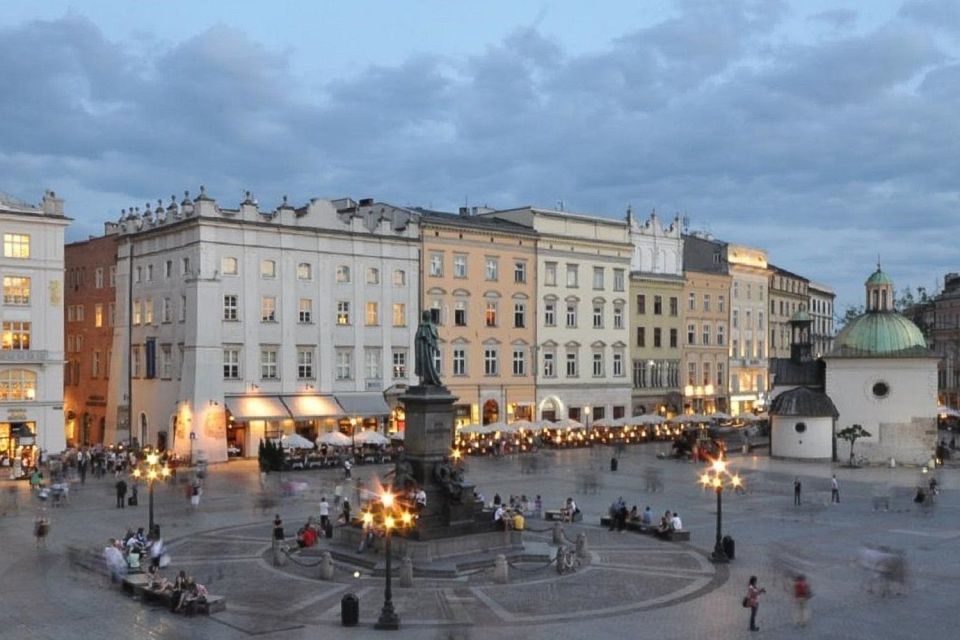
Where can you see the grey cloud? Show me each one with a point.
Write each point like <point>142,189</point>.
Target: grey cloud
<point>939,14</point>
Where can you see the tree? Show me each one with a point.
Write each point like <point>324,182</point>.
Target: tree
<point>851,312</point>
<point>851,434</point>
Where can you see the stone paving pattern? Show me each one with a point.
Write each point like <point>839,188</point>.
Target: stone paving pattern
<point>632,586</point>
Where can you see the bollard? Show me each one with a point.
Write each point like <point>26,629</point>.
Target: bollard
<point>500,569</point>
<point>326,566</point>
<point>582,545</point>
<point>406,572</point>
<point>557,533</point>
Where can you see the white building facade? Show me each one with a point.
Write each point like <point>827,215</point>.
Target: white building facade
<point>583,266</point>
<point>31,340</point>
<point>821,309</point>
<point>748,327</point>
<point>249,323</point>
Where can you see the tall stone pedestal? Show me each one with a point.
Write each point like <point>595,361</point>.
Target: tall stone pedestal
<point>427,444</point>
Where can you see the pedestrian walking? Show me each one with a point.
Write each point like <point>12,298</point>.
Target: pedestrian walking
<point>278,528</point>
<point>796,491</point>
<point>121,487</point>
<point>324,512</point>
<point>41,527</point>
<point>752,601</point>
<point>834,490</point>
<point>801,599</point>
<point>347,466</point>
<point>196,490</point>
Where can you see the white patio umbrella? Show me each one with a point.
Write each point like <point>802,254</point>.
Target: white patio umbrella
<point>335,439</point>
<point>525,425</point>
<point>945,411</point>
<point>295,441</point>
<point>719,415</point>
<point>493,427</point>
<point>602,422</point>
<point>568,424</point>
<point>370,437</point>
<point>471,428</point>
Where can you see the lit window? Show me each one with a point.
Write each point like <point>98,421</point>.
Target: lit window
<point>343,312</point>
<point>16,245</point>
<point>399,314</point>
<point>268,309</point>
<point>490,314</point>
<point>17,385</point>
<point>98,315</point>
<point>16,290</point>
<point>306,311</point>
<point>16,336</point>
<point>372,314</point>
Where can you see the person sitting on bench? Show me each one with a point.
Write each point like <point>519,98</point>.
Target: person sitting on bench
<point>569,510</point>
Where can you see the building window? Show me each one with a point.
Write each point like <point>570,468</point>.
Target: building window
<point>305,311</point>
<point>721,303</point>
<point>573,275</point>
<point>343,273</point>
<point>658,305</point>
<point>760,320</point>
<point>736,290</point>
<point>230,307</point>
<point>691,334</point>
<point>657,334</point>
<point>134,362</point>
<point>71,343</point>
<point>268,269</point>
<point>16,336</point>
<point>231,363</point>
<point>550,274</point>
<point>138,275</point>
<point>674,303</point>
<point>641,336</point>
<point>98,315</point>
<point>735,318</point>
<point>268,309</point>
<point>706,302</point>
<point>597,364</point>
<point>399,314</point>
<point>112,273</point>
<point>305,363</point>
<point>598,315</point>
<point>80,312</point>
<point>436,265</point>
<point>492,269</point>
<point>343,312</point>
<point>706,373</point>
<point>460,313</point>
<point>550,314</point>
<point>490,314</point>
<point>571,364</point>
<point>520,272</point>
<point>673,338</point>
<point>549,364</point>
<point>98,278</point>
<point>373,275</point>
<point>183,308</point>
<point>399,278</point>
<point>269,370</point>
<point>459,361</point>
<point>166,310</point>
<point>399,364</point>
<point>617,364</point>
<point>598,278</point>
<point>490,361</point>
<point>95,365</point>
<point>167,270</point>
<point>18,385</point>
<point>372,357</point>
<point>149,273</point>
<point>641,304</point>
<point>184,266</point>
<point>691,373</point>
<point>749,287</point>
<point>736,348</point>
<point>16,245</point>
<point>304,271</point>
<point>691,301</point>
<point>136,313</point>
<point>705,334</point>
<point>720,337</point>
<point>618,317</point>
<point>228,266</point>
<point>344,364</point>
<point>166,361</point>
<point>721,382</point>
<point>571,315</point>
<point>459,266</point>
<point>618,280</point>
<point>519,315</point>
<point>519,362</point>
<point>372,316</point>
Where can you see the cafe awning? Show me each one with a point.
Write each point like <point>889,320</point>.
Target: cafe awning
<point>312,406</point>
<point>363,404</point>
<point>256,407</point>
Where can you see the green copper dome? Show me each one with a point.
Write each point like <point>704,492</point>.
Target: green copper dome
<point>879,277</point>
<point>801,316</point>
<point>880,334</point>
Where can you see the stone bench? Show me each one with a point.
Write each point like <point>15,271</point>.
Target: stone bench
<point>136,585</point>
<point>638,527</point>
<point>557,514</point>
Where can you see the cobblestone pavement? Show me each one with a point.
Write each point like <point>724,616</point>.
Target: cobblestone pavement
<point>632,584</point>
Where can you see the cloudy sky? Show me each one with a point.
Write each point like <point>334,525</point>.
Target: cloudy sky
<point>825,131</point>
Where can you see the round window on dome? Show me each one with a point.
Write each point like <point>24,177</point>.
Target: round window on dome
<point>881,389</point>
<point>800,427</point>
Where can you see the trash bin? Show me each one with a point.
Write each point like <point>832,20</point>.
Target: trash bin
<point>729,547</point>
<point>613,464</point>
<point>350,610</point>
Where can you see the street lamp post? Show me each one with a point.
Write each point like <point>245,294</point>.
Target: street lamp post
<point>153,472</point>
<point>391,516</point>
<point>716,478</point>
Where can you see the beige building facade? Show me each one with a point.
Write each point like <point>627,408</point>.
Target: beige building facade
<point>749,322</point>
<point>705,341</point>
<point>788,294</point>
<point>478,280</point>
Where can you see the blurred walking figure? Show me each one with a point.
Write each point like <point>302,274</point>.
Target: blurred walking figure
<point>796,492</point>
<point>801,599</point>
<point>834,490</point>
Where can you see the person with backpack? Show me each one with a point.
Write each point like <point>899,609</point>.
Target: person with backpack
<point>752,601</point>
